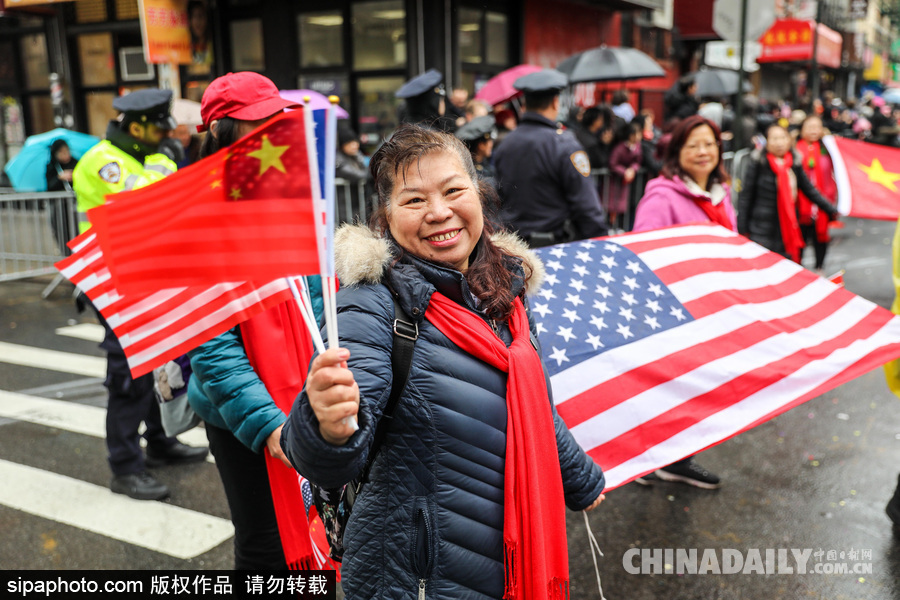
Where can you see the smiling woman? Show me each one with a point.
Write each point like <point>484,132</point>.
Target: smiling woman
<point>447,510</point>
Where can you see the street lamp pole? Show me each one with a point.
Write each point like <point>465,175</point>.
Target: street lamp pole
<point>739,104</point>
<point>814,68</point>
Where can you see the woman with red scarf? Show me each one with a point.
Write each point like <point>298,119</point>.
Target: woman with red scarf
<point>466,494</point>
<point>768,205</point>
<point>818,167</point>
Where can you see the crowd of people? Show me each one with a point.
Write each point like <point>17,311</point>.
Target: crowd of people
<point>449,503</point>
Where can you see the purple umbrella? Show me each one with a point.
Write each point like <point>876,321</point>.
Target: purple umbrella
<point>317,100</point>
<point>499,88</point>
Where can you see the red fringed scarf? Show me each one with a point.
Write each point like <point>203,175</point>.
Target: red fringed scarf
<point>812,164</point>
<point>787,207</point>
<point>716,213</point>
<point>279,349</point>
<point>534,527</point>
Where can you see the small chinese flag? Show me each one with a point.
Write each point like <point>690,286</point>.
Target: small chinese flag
<point>868,178</point>
<point>246,213</point>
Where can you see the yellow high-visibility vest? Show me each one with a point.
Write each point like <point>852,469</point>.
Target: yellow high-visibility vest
<point>105,169</point>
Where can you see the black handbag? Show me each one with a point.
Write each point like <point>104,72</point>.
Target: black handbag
<point>335,504</point>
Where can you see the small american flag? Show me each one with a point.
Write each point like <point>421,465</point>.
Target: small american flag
<point>158,327</point>
<point>663,343</point>
<point>316,530</point>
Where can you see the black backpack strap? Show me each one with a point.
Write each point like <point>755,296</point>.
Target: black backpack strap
<point>406,333</point>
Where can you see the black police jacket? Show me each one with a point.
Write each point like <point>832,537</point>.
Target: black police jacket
<point>544,180</point>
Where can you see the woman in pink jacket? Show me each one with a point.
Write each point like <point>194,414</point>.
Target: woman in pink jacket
<point>692,188</point>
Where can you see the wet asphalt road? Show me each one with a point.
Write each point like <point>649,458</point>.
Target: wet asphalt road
<point>814,479</point>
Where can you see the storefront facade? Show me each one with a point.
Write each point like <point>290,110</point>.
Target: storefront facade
<point>360,50</point>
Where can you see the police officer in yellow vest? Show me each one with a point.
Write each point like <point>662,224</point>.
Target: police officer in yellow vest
<point>136,152</point>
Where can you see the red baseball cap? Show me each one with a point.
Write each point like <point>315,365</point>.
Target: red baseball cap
<point>246,96</point>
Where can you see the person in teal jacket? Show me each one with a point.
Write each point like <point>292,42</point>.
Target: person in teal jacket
<point>244,381</point>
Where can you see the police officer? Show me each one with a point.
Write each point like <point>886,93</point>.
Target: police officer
<point>132,155</point>
<point>479,135</point>
<point>546,190</point>
<point>425,102</point>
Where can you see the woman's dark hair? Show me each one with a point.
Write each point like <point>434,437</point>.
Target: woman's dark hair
<point>487,276</point>
<point>226,134</point>
<point>55,147</point>
<point>626,129</point>
<point>672,163</point>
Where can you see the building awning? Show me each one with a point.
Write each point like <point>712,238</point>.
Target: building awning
<point>790,40</point>
<point>694,19</point>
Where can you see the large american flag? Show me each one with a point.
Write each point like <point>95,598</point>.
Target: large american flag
<point>663,343</point>
<point>158,327</point>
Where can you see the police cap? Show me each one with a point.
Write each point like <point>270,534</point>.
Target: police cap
<point>479,128</point>
<point>547,80</point>
<point>150,105</point>
<point>418,85</point>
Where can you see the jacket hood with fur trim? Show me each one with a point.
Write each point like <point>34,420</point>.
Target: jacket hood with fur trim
<point>361,256</point>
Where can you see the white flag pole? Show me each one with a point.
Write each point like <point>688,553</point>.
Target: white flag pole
<point>307,313</point>
<point>330,281</point>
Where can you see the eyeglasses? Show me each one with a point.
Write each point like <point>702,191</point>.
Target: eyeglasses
<point>707,146</point>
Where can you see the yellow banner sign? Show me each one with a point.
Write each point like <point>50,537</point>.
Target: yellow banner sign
<point>164,26</point>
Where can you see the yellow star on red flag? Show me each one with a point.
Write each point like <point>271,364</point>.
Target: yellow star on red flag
<point>269,156</point>
<point>877,174</point>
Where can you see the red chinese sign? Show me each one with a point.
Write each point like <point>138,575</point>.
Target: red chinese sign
<point>790,40</point>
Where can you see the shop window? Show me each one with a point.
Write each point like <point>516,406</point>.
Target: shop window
<point>329,84</point>
<point>127,10</point>
<point>377,109</point>
<point>202,55</point>
<point>99,112</point>
<point>470,35</point>
<point>247,45</point>
<point>41,113</point>
<point>90,11</point>
<point>7,65</point>
<point>321,39</point>
<point>483,37</point>
<point>36,62</point>
<point>95,51</point>
<point>497,34</point>
<point>379,35</point>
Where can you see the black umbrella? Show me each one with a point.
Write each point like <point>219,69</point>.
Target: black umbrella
<point>718,82</point>
<point>609,64</point>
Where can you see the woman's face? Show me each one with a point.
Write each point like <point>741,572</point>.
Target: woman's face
<point>812,130</point>
<point>700,154</point>
<point>435,210</point>
<point>778,141</point>
<point>63,155</point>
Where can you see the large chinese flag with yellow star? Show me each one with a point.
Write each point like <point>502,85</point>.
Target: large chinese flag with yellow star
<point>245,213</point>
<point>868,178</point>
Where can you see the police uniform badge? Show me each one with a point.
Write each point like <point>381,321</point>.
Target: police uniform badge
<point>581,162</point>
<point>110,172</point>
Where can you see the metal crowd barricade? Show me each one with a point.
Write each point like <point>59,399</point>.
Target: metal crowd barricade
<point>353,201</point>
<point>34,229</point>
<point>603,180</point>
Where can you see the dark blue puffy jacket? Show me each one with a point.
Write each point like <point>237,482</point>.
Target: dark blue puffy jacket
<point>431,514</point>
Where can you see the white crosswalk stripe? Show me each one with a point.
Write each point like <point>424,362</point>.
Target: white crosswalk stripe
<point>159,526</point>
